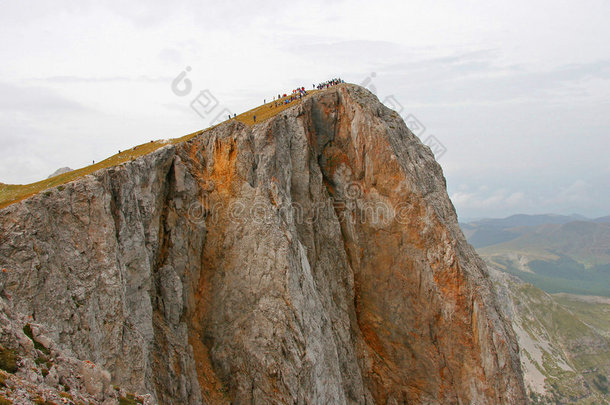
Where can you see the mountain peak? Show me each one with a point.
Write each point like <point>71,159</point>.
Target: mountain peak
<point>314,257</point>
<point>59,171</point>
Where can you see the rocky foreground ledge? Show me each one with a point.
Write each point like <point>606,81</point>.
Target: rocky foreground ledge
<point>35,370</point>
<point>312,258</point>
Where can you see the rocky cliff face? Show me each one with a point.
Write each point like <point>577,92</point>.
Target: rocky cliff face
<point>312,258</point>
<point>34,370</point>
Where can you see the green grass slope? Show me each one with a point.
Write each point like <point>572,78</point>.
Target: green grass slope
<point>564,342</point>
<point>12,193</point>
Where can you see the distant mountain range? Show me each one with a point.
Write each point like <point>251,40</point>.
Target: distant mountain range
<point>605,219</point>
<point>556,253</point>
<point>490,231</point>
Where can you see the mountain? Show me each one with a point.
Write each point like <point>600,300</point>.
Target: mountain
<point>585,242</point>
<point>605,219</point>
<point>564,342</point>
<point>573,257</point>
<point>59,171</point>
<point>490,231</point>
<point>519,220</point>
<point>314,257</point>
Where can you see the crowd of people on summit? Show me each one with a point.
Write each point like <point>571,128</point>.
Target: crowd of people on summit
<point>300,92</point>
<point>329,83</point>
<point>296,94</point>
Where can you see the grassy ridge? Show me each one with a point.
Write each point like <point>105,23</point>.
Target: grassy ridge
<point>12,193</point>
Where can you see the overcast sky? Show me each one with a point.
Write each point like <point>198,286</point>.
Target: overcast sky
<point>518,93</point>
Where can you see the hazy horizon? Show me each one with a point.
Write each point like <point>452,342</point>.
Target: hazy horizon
<point>516,95</point>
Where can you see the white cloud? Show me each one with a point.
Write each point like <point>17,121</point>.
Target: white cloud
<point>516,91</point>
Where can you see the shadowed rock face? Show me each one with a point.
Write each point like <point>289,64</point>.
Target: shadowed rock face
<point>312,258</point>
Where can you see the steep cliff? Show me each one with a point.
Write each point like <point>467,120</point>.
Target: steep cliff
<point>311,258</point>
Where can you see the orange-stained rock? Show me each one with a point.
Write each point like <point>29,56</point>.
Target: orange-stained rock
<point>312,258</point>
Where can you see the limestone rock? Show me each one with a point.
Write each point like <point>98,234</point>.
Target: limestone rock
<point>312,258</point>
<point>43,375</point>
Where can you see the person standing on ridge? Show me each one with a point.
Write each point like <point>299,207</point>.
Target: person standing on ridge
<point>254,117</point>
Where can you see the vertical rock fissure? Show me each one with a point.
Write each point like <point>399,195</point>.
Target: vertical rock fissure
<point>158,356</point>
